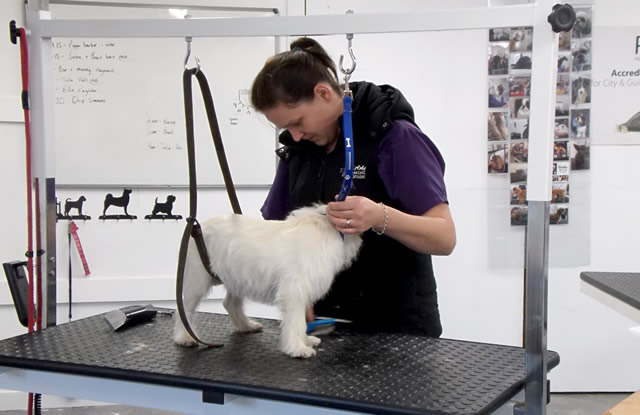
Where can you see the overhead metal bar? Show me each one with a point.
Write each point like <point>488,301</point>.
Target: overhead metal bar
<point>449,19</point>
<point>163,6</point>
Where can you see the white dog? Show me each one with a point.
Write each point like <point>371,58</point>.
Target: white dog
<point>289,263</point>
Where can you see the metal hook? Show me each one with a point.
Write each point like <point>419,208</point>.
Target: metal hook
<point>348,71</point>
<point>186,58</point>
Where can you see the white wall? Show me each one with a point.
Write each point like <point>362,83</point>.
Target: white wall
<point>480,286</point>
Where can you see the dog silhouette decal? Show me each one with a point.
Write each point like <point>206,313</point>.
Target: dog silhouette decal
<point>121,201</point>
<point>163,210</point>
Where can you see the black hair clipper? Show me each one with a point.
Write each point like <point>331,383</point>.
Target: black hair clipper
<point>130,316</point>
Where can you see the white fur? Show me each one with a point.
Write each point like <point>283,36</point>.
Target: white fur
<point>289,263</point>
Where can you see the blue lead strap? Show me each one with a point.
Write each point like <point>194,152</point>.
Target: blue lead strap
<point>347,127</point>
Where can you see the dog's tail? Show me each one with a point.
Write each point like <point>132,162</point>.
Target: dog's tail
<point>156,200</point>
<point>68,199</point>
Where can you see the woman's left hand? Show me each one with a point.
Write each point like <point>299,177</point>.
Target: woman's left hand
<point>356,214</point>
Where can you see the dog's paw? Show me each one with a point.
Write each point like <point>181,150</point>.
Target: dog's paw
<point>251,327</point>
<point>183,339</point>
<point>312,341</point>
<point>304,352</point>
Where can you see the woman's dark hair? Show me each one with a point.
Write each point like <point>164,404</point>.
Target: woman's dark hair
<point>289,77</point>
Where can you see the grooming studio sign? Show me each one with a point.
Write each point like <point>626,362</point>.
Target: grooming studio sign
<point>616,87</point>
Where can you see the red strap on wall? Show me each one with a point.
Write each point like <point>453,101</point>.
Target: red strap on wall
<point>24,63</point>
<point>73,230</point>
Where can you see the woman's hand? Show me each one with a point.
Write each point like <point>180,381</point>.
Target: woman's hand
<point>433,232</point>
<point>356,214</point>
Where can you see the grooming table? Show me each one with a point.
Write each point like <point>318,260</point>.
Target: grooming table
<point>618,290</point>
<point>353,370</point>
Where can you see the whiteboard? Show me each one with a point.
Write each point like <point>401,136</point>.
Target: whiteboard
<point>119,111</point>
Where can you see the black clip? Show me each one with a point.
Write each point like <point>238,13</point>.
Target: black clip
<point>14,32</point>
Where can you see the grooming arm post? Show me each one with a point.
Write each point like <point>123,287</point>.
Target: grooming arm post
<point>543,77</point>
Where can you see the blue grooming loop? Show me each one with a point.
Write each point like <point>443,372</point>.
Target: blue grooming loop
<point>347,127</point>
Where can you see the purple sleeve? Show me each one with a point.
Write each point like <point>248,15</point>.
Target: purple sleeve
<point>411,168</point>
<point>276,206</point>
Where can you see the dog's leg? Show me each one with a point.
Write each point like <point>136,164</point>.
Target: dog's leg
<point>293,338</point>
<point>234,306</point>
<point>196,286</point>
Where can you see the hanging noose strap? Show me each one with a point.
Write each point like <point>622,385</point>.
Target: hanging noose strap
<point>193,229</point>
<point>347,128</point>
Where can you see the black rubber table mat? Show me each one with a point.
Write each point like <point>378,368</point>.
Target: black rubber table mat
<point>365,372</point>
<point>625,286</point>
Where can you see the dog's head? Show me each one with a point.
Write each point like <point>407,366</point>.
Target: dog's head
<point>517,35</point>
<point>562,212</point>
<point>582,26</point>
<point>316,216</point>
<point>127,191</point>
<point>171,198</point>
<point>580,121</point>
<point>82,199</point>
<point>496,90</point>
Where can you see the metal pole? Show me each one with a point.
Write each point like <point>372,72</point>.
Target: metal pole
<point>541,122</point>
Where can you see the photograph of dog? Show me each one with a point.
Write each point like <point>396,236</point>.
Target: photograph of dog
<point>498,58</point>
<point>497,127</point>
<point>519,107</point>
<point>562,105</point>
<point>498,92</point>
<point>564,41</point>
<point>582,26</point>
<point>561,129</point>
<point>520,86</point>
<point>580,155</point>
<point>632,125</point>
<point>562,84</point>
<point>559,215</point>
<point>560,151</point>
<point>520,62</point>
<point>564,63</point>
<point>121,201</point>
<point>518,172</point>
<point>290,264</point>
<point>521,39</point>
<point>560,193</point>
<point>581,90</point>
<point>519,152</point>
<point>519,195</point>
<point>580,123</point>
<point>581,54</point>
<point>519,129</point>
<point>499,34</point>
<point>498,156</point>
<point>519,215</point>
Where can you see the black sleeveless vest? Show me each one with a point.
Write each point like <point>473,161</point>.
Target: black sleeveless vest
<point>389,287</point>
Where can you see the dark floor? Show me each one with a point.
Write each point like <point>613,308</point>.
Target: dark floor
<point>561,404</point>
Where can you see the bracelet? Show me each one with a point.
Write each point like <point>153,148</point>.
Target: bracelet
<point>386,221</point>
